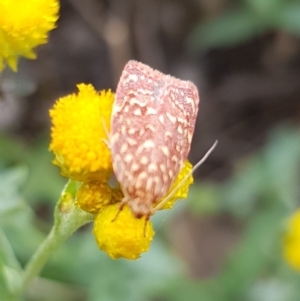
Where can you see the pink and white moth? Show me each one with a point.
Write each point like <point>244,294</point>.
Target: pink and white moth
<point>152,126</point>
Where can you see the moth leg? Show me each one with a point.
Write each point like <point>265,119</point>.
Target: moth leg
<point>121,206</point>
<point>147,217</point>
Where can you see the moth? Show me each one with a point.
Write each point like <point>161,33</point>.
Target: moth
<point>152,125</point>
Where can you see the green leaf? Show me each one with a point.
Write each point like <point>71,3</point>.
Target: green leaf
<point>9,282</point>
<point>10,270</point>
<point>282,160</point>
<point>269,178</point>
<point>240,195</point>
<point>228,30</point>
<point>11,181</point>
<point>7,254</point>
<point>289,18</point>
<point>257,254</point>
<point>44,181</point>
<point>182,288</point>
<point>5,294</point>
<point>272,289</point>
<point>23,233</point>
<point>266,9</point>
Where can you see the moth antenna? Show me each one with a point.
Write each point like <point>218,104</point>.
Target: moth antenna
<point>105,141</point>
<point>171,194</point>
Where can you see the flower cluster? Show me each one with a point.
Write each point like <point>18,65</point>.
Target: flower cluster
<point>23,26</point>
<point>79,140</point>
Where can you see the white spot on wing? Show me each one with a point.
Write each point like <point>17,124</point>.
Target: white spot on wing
<point>131,141</point>
<point>151,111</point>
<point>150,127</point>
<point>137,112</point>
<point>144,160</point>
<point>140,180</point>
<point>128,158</point>
<point>147,144</point>
<point>124,148</point>
<point>180,130</point>
<point>165,150</point>
<point>152,168</point>
<point>172,118</point>
<point>133,77</point>
<point>135,167</point>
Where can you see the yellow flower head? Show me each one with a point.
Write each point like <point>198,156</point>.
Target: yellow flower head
<point>24,24</point>
<point>80,125</point>
<point>122,235</point>
<point>117,194</point>
<point>93,196</point>
<point>182,192</point>
<point>291,246</point>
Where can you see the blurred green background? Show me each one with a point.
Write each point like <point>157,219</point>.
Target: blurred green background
<point>225,241</point>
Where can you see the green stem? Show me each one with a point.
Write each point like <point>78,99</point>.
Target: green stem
<point>67,219</point>
<point>41,256</point>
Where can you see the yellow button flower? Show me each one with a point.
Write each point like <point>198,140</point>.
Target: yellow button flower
<point>80,125</point>
<point>182,192</point>
<point>93,196</point>
<point>122,235</point>
<point>24,24</point>
<point>292,241</point>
